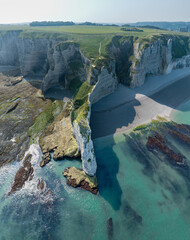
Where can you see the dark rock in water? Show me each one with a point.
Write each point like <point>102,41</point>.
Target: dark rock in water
<point>178,134</point>
<point>85,185</point>
<point>159,143</point>
<point>23,174</point>
<point>110,228</point>
<point>45,159</point>
<point>40,184</point>
<point>78,178</point>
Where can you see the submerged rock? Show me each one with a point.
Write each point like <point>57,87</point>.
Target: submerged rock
<point>110,228</point>
<point>158,142</point>
<point>78,178</point>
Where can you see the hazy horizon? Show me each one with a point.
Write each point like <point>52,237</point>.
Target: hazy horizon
<point>108,11</point>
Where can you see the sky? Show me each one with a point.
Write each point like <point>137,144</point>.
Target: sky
<point>105,11</point>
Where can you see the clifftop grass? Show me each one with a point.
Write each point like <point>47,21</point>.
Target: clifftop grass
<point>88,37</point>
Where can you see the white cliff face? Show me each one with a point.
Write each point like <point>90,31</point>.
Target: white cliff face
<point>152,60</point>
<point>8,49</point>
<point>33,56</point>
<point>82,133</point>
<point>60,71</point>
<point>28,54</point>
<point>106,84</point>
<point>42,57</point>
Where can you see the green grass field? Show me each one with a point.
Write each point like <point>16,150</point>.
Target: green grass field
<point>89,37</point>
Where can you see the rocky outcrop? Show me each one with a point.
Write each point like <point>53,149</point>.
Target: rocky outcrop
<point>78,178</point>
<point>23,174</point>
<point>59,137</point>
<point>19,108</point>
<point>46,158</point>
<point>82,133</point>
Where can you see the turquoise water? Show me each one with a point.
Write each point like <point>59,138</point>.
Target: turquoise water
<point>182,114</point>
<point>146,196</point>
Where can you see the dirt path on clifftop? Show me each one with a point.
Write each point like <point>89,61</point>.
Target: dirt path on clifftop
<point>141,109</point>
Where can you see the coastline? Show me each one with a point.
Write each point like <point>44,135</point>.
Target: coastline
<point>141,107</point>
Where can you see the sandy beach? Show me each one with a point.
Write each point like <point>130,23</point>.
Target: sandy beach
<point>127,108</point>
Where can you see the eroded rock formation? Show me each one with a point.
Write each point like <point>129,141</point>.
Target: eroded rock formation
<point>78,178</point>
<point>59,137</point>
<point>24,174</point>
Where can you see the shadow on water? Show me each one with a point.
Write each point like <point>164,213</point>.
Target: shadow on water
<point>108,167</point>
<point>107,121</point>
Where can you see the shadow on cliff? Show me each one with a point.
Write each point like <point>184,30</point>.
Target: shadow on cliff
<point>108,167</point>
<point>57,92</point>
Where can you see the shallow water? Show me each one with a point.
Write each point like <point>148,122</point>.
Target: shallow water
<point>146,196</point>
<point>182,114</point>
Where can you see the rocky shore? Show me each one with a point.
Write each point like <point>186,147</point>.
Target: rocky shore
<point>25,173</point>
<point>78,178</point>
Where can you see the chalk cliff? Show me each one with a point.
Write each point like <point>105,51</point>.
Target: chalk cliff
<point>82,133</point>
<point>106,84</point>
<point>61,63</point>
<point>66,63</point>
<point>156,58</point>
<point>153,60</point>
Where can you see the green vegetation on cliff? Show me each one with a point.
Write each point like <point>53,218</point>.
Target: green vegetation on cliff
<point>44,119</point>
<point>81,103</point>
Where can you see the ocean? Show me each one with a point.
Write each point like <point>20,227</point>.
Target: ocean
<point>142,195</point>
